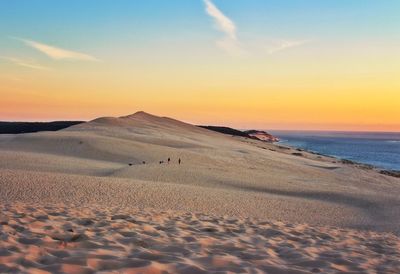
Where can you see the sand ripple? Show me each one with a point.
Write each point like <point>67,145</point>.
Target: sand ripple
<point>60,239</point>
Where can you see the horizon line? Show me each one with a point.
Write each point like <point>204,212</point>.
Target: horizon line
<point>208,124</point>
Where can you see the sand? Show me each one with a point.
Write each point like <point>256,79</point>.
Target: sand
<point>233,204</point>
<point>49,239</point>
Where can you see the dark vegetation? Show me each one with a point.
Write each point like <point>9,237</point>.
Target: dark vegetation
<point>251,131</point>
<point>228,130</point>
<point>297,154</point>
<point>26,127</point>
<point>347,162</point>
<point>259,135</point>
<point>393,173</point>
<point>360,165</point>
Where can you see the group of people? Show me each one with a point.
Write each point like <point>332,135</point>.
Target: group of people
<point>161,162</point>
<point>169,160</point>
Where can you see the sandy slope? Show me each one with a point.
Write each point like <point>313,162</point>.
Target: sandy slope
<point>88,165</point>
<point>53,239</point>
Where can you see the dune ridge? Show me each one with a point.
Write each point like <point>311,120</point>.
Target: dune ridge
<point>111,166</point>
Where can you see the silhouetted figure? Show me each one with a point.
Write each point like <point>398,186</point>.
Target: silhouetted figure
<point>161,162</point>
<point>169,159</point>
<point>179,161</point>
<point>144,162</point>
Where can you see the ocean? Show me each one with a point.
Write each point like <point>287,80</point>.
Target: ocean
<point>380,149</point>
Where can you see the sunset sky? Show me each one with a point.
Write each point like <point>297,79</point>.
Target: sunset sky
<point>321,65</point>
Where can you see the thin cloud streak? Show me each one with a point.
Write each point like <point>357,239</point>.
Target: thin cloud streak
<point>230,46</point>
<point>24,63</point>
<point>58,53</point>
<point>229,42</point>
<point>286,44</point>
<point>223,23</point>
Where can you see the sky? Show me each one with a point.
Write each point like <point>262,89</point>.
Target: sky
<point>282,64</point>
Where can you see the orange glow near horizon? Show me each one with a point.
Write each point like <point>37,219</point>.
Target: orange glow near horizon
<point>322,69</point>
<point>308,100</point>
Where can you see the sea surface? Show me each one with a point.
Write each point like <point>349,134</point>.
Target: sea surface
<point>380,149</point>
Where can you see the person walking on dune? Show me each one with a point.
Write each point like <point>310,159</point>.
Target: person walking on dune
<point>169,159</point>
<point>179,161</point>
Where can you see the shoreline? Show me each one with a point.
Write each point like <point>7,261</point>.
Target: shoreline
<point>82,200</point>
<point>389,172</point>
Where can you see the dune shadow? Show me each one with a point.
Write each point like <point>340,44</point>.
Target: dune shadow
<point>376,210</point>
<point>326,167</point>
<point>367,205</point>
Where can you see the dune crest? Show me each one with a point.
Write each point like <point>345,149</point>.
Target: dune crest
<point>161,168</point>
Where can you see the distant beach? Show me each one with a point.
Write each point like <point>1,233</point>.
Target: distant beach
<point>148,194</point>
<point>380,149</point>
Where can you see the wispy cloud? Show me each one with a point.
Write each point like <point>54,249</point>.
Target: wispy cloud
<point>229,43</point>
<point>58,53</point>
<point>279,45</point>
<point>222,22</point>
<point>24,63</point>
<point>232,47</point>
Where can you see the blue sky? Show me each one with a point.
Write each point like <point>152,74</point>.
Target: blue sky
<point>82,21</point>
<point>265,58</point>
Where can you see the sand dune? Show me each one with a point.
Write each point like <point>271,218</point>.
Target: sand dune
<point>49,239</point>
<point>99,166</point>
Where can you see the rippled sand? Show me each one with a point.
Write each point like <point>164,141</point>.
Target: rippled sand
<point>82,200</point>
<point>49,239</point>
